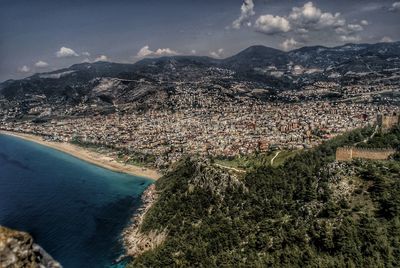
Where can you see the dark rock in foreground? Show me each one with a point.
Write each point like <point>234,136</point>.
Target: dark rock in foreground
<point>18,250</point>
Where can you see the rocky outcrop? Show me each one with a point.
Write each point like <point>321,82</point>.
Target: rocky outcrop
<point>18,250</point>
<point>204,175</point>
<point>213,178</point>
<point>135,241</point>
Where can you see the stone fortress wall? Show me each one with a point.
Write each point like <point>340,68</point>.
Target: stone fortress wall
<point>384,122</point>
<point>349,153</point>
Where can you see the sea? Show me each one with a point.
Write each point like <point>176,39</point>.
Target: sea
<point>73,209</point>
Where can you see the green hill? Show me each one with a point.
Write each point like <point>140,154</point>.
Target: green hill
<point>308,212</point>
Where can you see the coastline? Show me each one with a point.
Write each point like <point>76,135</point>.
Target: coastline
<point>89,156</point>
<point>134,240</point>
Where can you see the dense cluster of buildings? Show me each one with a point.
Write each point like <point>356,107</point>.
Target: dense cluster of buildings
<point>202,116</point>
<point>206,125</point>
<point>332,90</point>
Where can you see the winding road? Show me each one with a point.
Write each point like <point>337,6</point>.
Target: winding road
<point>273,158</point>
<point>231,168</point>
<point>370,137</point>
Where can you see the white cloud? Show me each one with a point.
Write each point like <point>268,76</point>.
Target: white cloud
<point>349,29</point>
<point>193,51</point>
<point>217,54</point>
<point>24,69</point>
<point>144,52</point>
<point>301,20</point>
<point>395,6</point>
<point>342,30</point>
<point>101,58</point>
<point>355,27</point>
<point>147,52</point>
<point>289,44</point>
<point>306,13</point>
<point>329,20</point>
<point>85,53</point>
<point>307,22</point>
<point>246,11</point>
<point>350,39</point>
<point>386,39</point>
<point>41,64</point>
<point>310,17</point>
<point>165,52</point>
<point>270,24</point>
<point>66,52</point>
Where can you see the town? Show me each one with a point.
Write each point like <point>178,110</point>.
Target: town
<point>215,128</point>
<point>203,111</point>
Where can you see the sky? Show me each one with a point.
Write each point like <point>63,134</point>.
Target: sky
<point>45,35</point>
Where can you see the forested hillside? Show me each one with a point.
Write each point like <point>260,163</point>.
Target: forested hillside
<point>309,212</point>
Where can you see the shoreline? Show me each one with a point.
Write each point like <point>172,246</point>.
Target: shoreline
<point>89,156</point>
<point>135,242</point>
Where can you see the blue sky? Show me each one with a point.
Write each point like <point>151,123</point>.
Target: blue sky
<point>44,35</point>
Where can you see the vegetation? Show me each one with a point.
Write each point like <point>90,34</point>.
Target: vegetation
<point>122,155</point>
<point>390,139</point>
<point>308,212</point>
<point>256,160</point>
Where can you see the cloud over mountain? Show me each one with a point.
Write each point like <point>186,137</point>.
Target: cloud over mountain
<point>289,44</point>
<point>65,52</point>
<point>41,64</point>
<point>217,54</point>
<point>147,52</point>
<point>24,69</point>
<point>101,58</point>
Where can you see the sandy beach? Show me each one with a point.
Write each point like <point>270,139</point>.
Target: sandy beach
<point>89,156</point>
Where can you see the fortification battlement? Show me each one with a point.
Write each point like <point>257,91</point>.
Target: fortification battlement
<point>349,153</point>
<point>348,148</point>
<point>386,121</point>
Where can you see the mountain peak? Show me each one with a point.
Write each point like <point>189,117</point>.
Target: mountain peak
<point>259,50</point>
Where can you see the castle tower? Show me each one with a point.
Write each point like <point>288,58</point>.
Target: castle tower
<point>386,122</point>
<point>344,154</point>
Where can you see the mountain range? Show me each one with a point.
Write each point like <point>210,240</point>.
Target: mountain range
<point>260,66</point>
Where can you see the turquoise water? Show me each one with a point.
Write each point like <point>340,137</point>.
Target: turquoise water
<point>73,209</point>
